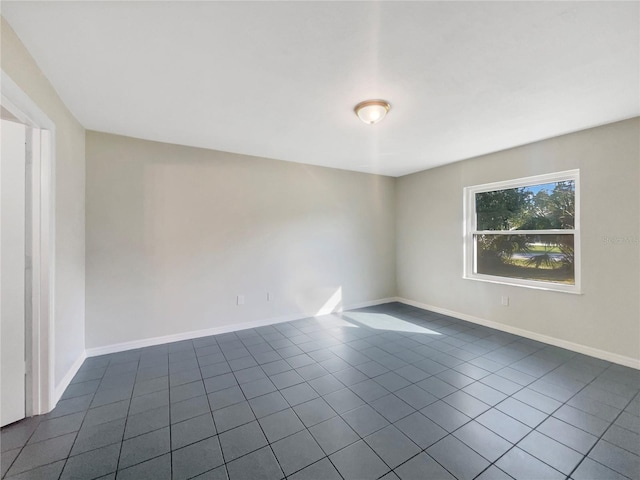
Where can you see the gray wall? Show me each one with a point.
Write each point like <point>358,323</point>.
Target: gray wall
<point>607,315</point>
<point>175,233</point>
<point>69,185</point>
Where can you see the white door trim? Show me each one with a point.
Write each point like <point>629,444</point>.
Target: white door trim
<point>41,345</point>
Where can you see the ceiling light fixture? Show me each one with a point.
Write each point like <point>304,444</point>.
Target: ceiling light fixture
<point>372,111</point>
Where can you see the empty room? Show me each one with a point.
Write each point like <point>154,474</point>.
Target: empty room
<point>320,240</point>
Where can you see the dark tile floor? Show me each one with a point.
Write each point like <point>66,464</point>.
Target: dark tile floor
<point>383,392</point>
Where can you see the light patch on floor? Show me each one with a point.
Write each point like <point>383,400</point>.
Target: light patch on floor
<point>382,321</point>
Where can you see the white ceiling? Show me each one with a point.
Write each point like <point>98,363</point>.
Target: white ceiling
<point>280,79</point>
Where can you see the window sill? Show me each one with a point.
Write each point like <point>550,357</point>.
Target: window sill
<point>512,282</point>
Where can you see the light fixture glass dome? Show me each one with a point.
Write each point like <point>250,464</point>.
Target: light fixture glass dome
<point>372,111</point>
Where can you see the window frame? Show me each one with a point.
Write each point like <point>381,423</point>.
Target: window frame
<point>470,222</point>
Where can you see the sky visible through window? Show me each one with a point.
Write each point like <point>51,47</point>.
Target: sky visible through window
<point>548,187</point>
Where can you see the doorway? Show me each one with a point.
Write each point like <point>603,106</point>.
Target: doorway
<point>27,256</point>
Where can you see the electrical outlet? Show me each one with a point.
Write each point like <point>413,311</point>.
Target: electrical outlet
<point>505,301</point>
<point>240,299</point>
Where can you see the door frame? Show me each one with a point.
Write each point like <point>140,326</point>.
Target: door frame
<point>40,333</point>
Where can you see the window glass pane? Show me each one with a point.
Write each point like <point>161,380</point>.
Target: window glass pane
<point>545,257</point>
<point>535,207</point>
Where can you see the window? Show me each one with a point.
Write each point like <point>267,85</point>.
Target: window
<point>525,232</point>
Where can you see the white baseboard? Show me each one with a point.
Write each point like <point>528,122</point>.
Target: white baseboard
<point>574,347</point>
<point>149,342</point>
<point>66,380</point>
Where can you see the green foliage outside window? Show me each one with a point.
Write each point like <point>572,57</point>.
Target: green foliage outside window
<point>546,256</point>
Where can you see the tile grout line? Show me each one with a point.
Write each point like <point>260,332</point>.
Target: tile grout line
<point>241,425</point>
<point>169,408</point>
<point>126,418</point>
<point>292,409</point>
<point>478,380</point>
<point>367,403</point>
<point>515,445</point>
<point>26,444</point>
<point>217,434</point>
<point>357,349</point>
<point>508,396</point>
<point>471,419</point>
<point>256,418</point>
<point>303,424</point>
<point>600,438</point>
<point>131,397</point>
<point>83,419</point>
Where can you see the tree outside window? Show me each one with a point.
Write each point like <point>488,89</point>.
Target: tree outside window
<point>525,232</point>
